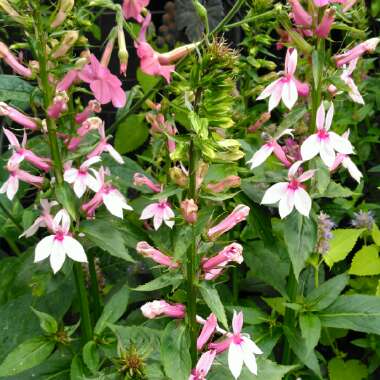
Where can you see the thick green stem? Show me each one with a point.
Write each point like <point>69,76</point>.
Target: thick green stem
<point>86,325</point>
<point>191,310</point>
<point>96,301</point>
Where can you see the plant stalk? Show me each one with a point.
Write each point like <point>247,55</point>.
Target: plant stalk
<point>96,301</point>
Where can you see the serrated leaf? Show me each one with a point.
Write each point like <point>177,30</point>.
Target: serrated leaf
<point>366,261</point>
<point>341,244</point>
<point>310,326</point>
<point>349,370</point>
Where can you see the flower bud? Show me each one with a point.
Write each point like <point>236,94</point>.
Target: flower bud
<point>178,176</point>
<point>69,39</point>
<point>189,210</point>
<point>64,8</point>
<point>200,9</point>
<point>12,61</point>
<point>123,52</point>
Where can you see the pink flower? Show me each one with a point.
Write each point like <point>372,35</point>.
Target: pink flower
<point>323,29</point>
<point>60,244</point>
<point>241,348</point>
<point>17,116</point>
<point>12,61</point>
<point>93,106</point>
<point>149,58</point>
<point>107,194</point>
<point>80,178</point>
<point>300,15</point>
<point>284,88</point>
<point>272,146</point>
<point>140,180</point>
<point>59,105</point>
<point>90,124</point>
<point>133,8</point>
<point>347,163</point>
<point>347,3</point>
<point>303,88</point>
<point>347,79</point>
<point>160,212</point>
<point>238,215</point>
<point>290,194</point>
<point>325,142</point>
<point>21,153</point>
<point>207,331</point>
<point>357,51</point>
<point>104,146</point>
<point>10,187</point>
<point>147,250</point>
<point>105,86</point>
<point>159,308</point>
<point>189,210</point>
<point>231,181</point>
<point>203,366</point>
<point>70,77</point>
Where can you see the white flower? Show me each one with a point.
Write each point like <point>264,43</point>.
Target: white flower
<point>60,244</point>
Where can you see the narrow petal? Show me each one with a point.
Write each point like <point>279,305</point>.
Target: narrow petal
<point>260,156</point>
<point>235,359</point>
<point>291,61</point>
<point>286,204</point>
<point>57,256</point>
<point>354,92</point>
<point>274,193</point>
<point>115,154</point>
<point>74,249</point>
<point>268,90</point>
<point>289,94</point>
<point>294,169</point>
<point>340,144</point>
<point>306,175</point>
<point>302,201</point>
<point>249,359</point>
<point>237,322</point>
<point>329,117</point>
<point>92,183</point>
<point>275,98</point>
<point>11,138</point>
<point>149,211</point>
<point>157,221</point>
<point>70,175</point>
<point>113,205</point>
<point>355,173</point>
<point>44,248</point>
<point>327,152</point>
<point>251,346</point>
<point>79,187</point>
<point>12,187</point>
<point>310,147</point>
<point>320,117</point>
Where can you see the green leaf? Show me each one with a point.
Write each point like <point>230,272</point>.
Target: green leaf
<point>300,235</point>
<point>341,244</point>
<point>310,326</point>
<point>211,296</point>
<point>77,369</point>
<point>175,351</point>
<point>322,176</point>
<point>334,190</point>
<point>163,281</point>
<point>27,355</point>
<point>15,91</point>
<point>106,237</point>
<point>131,134</point>
<point>375,233</point>
<point>147,82</point>
<point>349,370</point>
<point>91,356</point>
<point>323,296</point>
<point>252,315</point>
<point>357,312</point>
<point>66,197</point>
<point>47,322</point>
<point>113,309</point>
<point>366,261</point>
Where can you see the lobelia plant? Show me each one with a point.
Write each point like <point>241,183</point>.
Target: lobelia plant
<point>152,256</point>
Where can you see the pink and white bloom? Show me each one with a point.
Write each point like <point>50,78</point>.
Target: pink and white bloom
<point>141,180</point>
<point>114,201</point>
<point>208,330</point>
<point>203,366</point>
<point>59,105</point>
<point>160,308</point>
<point>346,76</point>
<point>93,106</point>
<point>290,194</point>
<point>17,116</point>
<point>11,186</point>
<point>44,220</point>
<point>105,86</point>
<point>81,179</point>
<point>147,250</point>
<point>133,9</point>
<point>239,214</point>
<point>272,146</point>
<point>104,146</point>
<point>160,212</point>
<point>324,142</point>
<point>21,153</point>
<point>241,348</point>
<point>285,87</point>
<point>60,244</point>
<point>346,162</point>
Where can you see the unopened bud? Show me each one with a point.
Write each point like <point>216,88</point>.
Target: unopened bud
<point>200,9</point>
<point>189,210</point>
<point>178,176</point>
<point>123,52</point>
<point>65,7</point>
<point>68,41</point>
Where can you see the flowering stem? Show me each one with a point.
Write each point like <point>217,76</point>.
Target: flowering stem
<point>97,308</point>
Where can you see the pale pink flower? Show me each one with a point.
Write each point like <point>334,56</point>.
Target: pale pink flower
<point>105,86</point>
<point>208,330</point>
<point>285,87</point>
<point>241,348</point>
<point>325,142</point>
<point>21,153</point>
<point>133,8</point>
<point>272,146</point>
<point>11,186</point>
<point>159,308</point>
<point>189,210</point>
<point>59,105</point>
<point>303,88</point>
<point>81,179</point>
<point>231,181</point>
<point>160,212</point>
<point>300,15</point>
<point>357,51</point>
<point>12,61</point>
<point>93,106</point>
<point>140,180</point>
<point>203,366</point>
<point>239,214</point>
<point>104,146</point>
<point>346,76</point>
<point>147,250</point>
<point>114,201</point>
<point>60,244</point>
<point>67,81</point>
<point>346,162</point>
<point>290,194</point>
<point>44,220</point>
<point>17,116</point>
<point>323,29</point>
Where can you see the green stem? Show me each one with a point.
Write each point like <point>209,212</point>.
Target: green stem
<point>250,19</point>
<point>13,246</point>
<point>96,300</point>
<point>86,325</point>
<point>229,16</point>
<point>191,309</point>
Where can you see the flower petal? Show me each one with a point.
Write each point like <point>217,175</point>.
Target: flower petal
<point>251,346</point>
<point>340,144</point>
<point>235,359</point>
<point>237,322</point>
<point>355,173</point>
<point>249,359</point>
<point>327,152</point>
<point>289,94</point>
<point>74,249</point>
<point>320,117</point>
<point>329,117</point>
<point>115,154</point>
<point>268,90</point>
<point>286,204</point>
<point>260,156</point>
<point>310,147</point>
<point>157,221</point>
<point>44,248</point>
<point>291,61</point>
<point>275,97</point>
<point>57,256</point>
<point>274,193</point>
<point>70,175</point>
<point>149,211</point>
<point>302,201</point>
<point>113,205</point>
<point>79,187</point>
